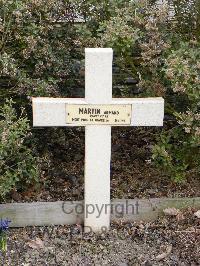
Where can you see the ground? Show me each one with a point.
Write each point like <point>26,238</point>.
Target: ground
<point>173,240</point>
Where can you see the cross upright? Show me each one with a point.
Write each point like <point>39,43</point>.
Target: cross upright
<point>98,111</point>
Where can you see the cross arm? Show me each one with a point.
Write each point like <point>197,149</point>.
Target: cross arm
<point>49,112</point>
<point>52,111</point>
<point>145,111</point>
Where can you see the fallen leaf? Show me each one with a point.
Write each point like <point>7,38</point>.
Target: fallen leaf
<point>36,244</point>
<point>171,211</point>
<point>164,254</point>
<point>197,214</point>
<point>180,216</point>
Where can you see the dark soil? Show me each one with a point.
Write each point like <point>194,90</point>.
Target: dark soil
<point>133,173</point>
<point>167,241</point>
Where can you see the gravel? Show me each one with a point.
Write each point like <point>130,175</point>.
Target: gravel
<point>167,241</point>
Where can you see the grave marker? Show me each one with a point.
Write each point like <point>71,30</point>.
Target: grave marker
<point>98,111</point>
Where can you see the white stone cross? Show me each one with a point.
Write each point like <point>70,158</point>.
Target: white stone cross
<point>98,111</point>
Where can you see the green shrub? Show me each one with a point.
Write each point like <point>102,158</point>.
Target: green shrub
<point>178,149</point>
<point>18,166</point>
<point>41,48</point>
<point>151,47</point>
<point>35,47</point>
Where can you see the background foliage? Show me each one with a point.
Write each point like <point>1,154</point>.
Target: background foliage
<point>156,53</point>
<point>18,167</point>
